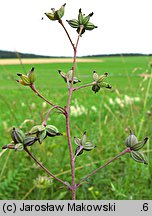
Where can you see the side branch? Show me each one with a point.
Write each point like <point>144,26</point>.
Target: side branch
<point>60,21</point>
<point>46,100</point>
<point>48,113</point>
<point>83,86</point>
<point>127,150</point>
<point>45,169</point>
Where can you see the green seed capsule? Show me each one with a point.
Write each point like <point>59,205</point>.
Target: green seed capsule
<point>80,17</point>
<point>73,23</point>
<point>50,16</point>
<point>95,88</point>
<point>90,26</point>
<point>17,135</point>
<point>36,129</point>
<point>18,147</point>
<point>105,85</point>
<point>28,141</point>
<point>52,131</point>
<point>79,150</point>
<point>138,157</point>
<point>88,146</point>
<point>87,18</point>
<point>131,140</point>
<point>95,76</point>
<point>31,75</point>
<point>139,145</point>
<point>60,12</point>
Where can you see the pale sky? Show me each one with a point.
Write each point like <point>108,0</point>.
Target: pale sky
<point>124,26</point>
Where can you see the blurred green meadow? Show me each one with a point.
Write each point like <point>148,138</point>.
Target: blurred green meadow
<point>107,117</point>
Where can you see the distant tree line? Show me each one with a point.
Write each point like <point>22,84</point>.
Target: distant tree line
<point>10,54</point>
<point>118,54</point>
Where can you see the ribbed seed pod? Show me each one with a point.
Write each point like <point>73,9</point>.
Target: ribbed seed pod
<point>95,76</point>
<point>17,135</point>
<point>52,131</point>
<point>95,88</point>
<point>28,141</point>
<point>24,78</point>
<point>87,18</point>
<point>31,75</point>
<point>60,12</point>
<point>90,26</point>
<point>80,17</point>
<point>73,23</point>
<point>138,157</point>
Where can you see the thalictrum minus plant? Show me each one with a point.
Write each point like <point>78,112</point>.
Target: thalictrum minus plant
<point>21,140</point>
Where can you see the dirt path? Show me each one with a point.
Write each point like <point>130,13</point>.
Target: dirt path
<point>45,60</point>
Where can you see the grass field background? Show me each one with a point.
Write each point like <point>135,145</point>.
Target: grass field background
<point>106,116</point>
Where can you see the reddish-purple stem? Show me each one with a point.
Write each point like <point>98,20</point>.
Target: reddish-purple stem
<point>44,168</point>
<point>32,86</point>
<point>67,114</point>
<point>127,150</point>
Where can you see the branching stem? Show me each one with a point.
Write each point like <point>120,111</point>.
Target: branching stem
<point>67,114</point>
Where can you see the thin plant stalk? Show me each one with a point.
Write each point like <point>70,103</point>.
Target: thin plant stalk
<point>44,123</point>
<point>67,115</point>
<point>83,86</point>
<point>145,103</point>
<point>32,86</point>
<point>127,150</point>
<point>62,24</point>
<point>44,168</point>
